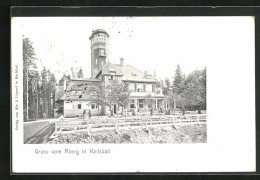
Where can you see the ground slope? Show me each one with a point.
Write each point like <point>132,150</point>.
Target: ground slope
<point>166,134</point>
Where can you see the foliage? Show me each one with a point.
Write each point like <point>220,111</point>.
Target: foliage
<point>28,72</point>
<point>118,93</point>
<point>63,78</point>
<point>150,102</point>
<point>177,85</point>
<point>167,87</point>
<point>186,92</point>
<point>99,95</point>
<point>80,73</point>
<point>76,72</point>
<point>39,87</point>
<point>194,92</point>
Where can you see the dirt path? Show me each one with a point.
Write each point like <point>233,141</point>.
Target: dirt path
<point>42,136</point>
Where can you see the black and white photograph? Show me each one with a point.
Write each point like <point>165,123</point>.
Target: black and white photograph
<point>111,80</point>
<point>119,94</point>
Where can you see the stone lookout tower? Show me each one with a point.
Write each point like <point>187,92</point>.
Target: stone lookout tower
<point>99,50</point>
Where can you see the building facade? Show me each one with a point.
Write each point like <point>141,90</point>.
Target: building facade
<point>146,90</point>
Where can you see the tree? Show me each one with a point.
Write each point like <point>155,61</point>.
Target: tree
<point>123,95</point>
<point>150,102</point>
<point>66,78</point>
<point>167,87</point>
<point>173,93</point>
<point>99,96</point>
<point>29,67</point>
<point>80,73</point>
<point>52,83</point>
<point>118,93</point>
<point>194,93</point>
<point>44,96</point>
<point>178,80</point>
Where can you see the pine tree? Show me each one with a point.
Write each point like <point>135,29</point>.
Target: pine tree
<point>52,91</point>
<point>178,80</point>
<point>44,92</point>
<point>29,66</point>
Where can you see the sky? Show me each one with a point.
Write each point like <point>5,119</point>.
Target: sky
<point>148,43</point>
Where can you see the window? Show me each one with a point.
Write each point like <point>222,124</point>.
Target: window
<point>96,61</point>
<point>132,103</point>
<point>102,52</point>
<point>110,77</point>
<point>153,88</point>
<point>93,106</point>
<point>140,88</point>
<point>112,71</point>
<point>140,103</point>
<point>79,106</point>
<point>132,87</point>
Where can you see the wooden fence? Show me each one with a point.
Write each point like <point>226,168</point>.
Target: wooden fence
<point>64,126</point>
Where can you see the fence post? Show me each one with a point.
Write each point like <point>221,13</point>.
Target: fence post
<point>88,126</point>
<point>146,123</point>
<point>198,120</point>
<point>116,125</point>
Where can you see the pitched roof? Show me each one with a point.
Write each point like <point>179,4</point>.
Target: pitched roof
<point>82,86</point>
<point>133,74</point>
<point>110,69</point>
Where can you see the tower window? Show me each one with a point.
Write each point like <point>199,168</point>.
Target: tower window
<point>102,52</point>
<point>96,61</point>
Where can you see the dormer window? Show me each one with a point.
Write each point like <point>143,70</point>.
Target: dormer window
<point>112,71</point>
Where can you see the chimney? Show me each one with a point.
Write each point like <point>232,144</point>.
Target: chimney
<point>122,62</point>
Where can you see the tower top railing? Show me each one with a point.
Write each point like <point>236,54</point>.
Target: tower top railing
<point>98,31</point>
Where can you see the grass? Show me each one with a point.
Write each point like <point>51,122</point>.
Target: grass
<point>167,134</point>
